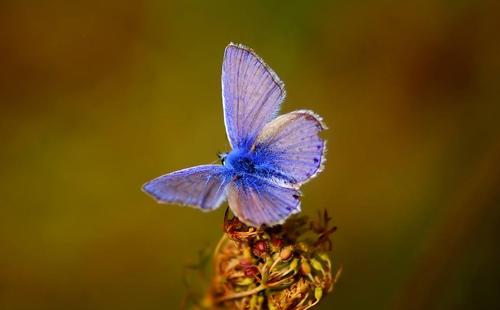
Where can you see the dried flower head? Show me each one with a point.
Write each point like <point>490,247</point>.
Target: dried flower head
<point>277,268</point>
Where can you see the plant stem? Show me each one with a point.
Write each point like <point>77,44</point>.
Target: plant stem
<point>241,294</point>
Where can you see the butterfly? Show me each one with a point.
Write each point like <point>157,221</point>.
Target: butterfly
<point>271,156</point>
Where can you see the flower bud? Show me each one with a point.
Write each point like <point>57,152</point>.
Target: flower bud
<point>245,262</point>
<point>276,244</point>
<point>251,271</point>
<point>305,267</point>
<point>286,253</point>
<point>260,248</point>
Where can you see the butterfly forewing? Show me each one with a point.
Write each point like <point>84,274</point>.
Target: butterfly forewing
<point>298,149</point>
<point>201,186</point>
<point>251,94</point>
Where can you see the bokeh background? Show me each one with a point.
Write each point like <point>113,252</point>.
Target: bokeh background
<point>97,97</point>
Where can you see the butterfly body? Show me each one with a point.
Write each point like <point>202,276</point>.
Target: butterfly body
<point>241,162</point>
<point>257,163</point>
<point>271,156</point>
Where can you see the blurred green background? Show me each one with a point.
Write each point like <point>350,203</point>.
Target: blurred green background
<point>97,97</point>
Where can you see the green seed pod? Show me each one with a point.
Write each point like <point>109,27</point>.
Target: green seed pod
<point>317,265</point>
<point>318,293</point>
<point>294,264</point>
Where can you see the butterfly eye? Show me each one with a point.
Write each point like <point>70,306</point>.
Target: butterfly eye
<point>222,157</point>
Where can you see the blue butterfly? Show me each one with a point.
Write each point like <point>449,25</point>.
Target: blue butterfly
<point>271,156</point>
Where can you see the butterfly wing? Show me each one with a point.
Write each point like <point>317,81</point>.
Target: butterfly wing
<point>256,201</point>
<point>298,152</point>
<point>251,94</point>
<point>201,186</point>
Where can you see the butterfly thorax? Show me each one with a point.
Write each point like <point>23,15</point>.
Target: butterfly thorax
<point>241,161</point>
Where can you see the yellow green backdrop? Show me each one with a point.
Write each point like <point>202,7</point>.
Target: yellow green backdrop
<point>97,97</point>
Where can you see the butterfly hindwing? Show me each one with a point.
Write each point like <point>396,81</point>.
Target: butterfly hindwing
<point>256,201</point>
<point>201,186</point>
<point>251,94</point>
<point>297,149</point>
